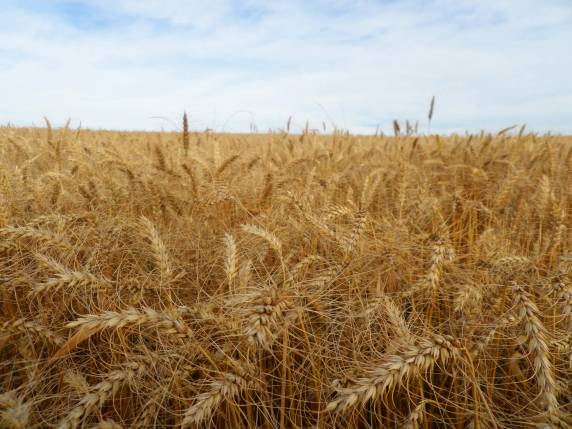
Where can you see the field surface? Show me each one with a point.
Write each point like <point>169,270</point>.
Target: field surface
<point>284,281</point>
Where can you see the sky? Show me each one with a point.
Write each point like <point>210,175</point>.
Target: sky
<point>234,65</point>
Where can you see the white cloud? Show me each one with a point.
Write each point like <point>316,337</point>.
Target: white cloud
<point>116,64</point>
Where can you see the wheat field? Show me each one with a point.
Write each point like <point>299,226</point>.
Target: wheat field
<point>284,281</point>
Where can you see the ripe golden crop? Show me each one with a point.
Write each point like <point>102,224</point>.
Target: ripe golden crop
<point>284,281</point>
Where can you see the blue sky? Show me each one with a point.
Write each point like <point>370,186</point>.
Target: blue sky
<point>357,65</point>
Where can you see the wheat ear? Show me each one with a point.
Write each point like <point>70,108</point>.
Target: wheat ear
<point>66,278</point>
<point>164,322</point>
<point>351,242</point>
<point>159,250</point>
<point>14,412</point>
<point>564,300</point>
<point>415,418</point>
<point>231,260</point>
<point>185,136</point>
<point>536,339</point>
<point>228,387</point>
<point>481,345</point>
<point>265,310</point>
<point>99,394</point>
<point>24,326</point>
<point>441,253</point>
<point>397,369</point>
<point>270,238</point>
<point>46,238</point>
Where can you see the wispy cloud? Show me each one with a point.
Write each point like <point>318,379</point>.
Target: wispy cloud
<point>358,64</point>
